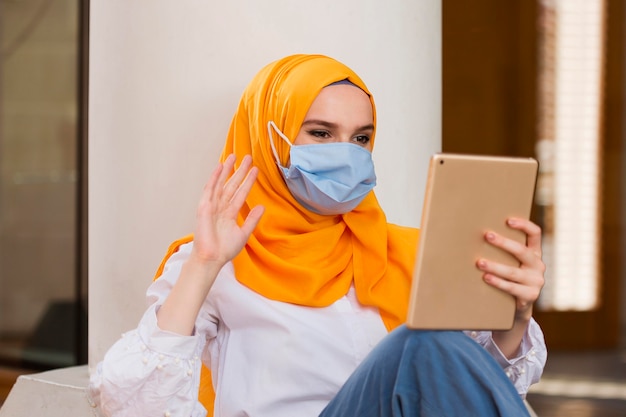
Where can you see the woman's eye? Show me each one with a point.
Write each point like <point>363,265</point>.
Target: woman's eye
<point>319,134</point>
<point>362,139</point>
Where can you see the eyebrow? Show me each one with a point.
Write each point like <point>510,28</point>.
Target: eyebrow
<point>332,125</point>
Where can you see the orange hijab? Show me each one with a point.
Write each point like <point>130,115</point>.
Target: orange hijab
<point>294,255</point>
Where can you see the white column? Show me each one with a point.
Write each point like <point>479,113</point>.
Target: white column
<point>165,77</point>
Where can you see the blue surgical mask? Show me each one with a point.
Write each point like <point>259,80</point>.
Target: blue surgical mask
<point>327,178</point>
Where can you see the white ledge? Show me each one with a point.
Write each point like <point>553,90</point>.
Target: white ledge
<point>57,393</point>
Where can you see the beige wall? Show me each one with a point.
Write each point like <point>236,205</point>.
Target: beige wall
<point>164,81</point>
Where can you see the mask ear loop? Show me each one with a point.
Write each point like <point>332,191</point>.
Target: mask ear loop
<point>271,125</point>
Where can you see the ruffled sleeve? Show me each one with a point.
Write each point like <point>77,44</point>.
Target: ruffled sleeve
<point>526,368</point>
<point>149,371</point>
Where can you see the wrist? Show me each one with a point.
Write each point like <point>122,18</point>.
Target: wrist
<point>524,316</point>
<point>180,309</point>
<point>200,272</point>
<point>198,262</point>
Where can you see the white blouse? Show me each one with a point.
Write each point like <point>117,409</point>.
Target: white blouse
<point>267,358</point>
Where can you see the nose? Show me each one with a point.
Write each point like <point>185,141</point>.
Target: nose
<point>342,138</point>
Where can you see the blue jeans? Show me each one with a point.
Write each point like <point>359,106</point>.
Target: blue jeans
<point>427,373</point>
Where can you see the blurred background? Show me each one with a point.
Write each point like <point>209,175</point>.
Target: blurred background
<point>546,78</point>
<point>533,78</point>
<point>42,314</point>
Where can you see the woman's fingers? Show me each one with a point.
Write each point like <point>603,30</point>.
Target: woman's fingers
<point>208,193</point>
<point>511,246</point>
<point>252,220</point>
<point>528,253</point>
<point>228,165</point>
<point>227,195</point>
<point>218,235</point>
<point>244,178</point>
<point>239,185</point>
<point>525,280</point>
<point>220,189</point>
<point>533,233</point>
<point>525,285</point>
<point>232,184</point>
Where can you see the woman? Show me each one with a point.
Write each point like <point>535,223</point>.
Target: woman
<point>293,283</point>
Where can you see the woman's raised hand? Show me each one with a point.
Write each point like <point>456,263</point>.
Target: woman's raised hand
<point>218,237</point>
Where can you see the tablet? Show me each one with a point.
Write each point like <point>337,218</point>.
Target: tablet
<point>467,195</point>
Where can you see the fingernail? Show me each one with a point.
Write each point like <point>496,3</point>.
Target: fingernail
<point>490,236</point>
<point>511,222</point>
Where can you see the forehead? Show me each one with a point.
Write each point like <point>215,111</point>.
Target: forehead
<point>342,100</point>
